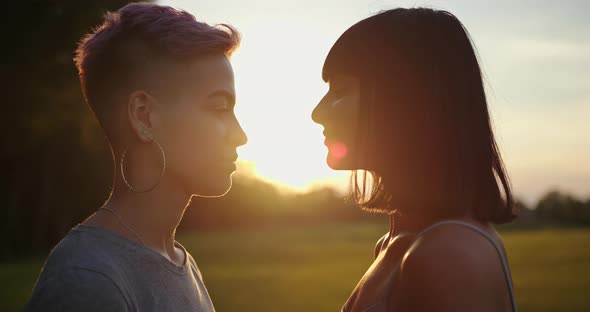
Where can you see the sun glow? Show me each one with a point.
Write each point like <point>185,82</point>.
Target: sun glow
<point>278,83</point>
<point>276,94</point>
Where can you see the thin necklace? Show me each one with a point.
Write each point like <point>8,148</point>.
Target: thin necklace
<point>125,224</point>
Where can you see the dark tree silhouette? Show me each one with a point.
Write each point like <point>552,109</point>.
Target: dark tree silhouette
<point>56,157</point>
<point>59,166</point>
<point>564,208</point>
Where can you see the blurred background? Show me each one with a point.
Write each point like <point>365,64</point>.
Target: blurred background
<point>284,238</point>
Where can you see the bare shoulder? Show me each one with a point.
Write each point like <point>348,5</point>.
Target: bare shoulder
<point>456,239</point>
<point>453,268</point>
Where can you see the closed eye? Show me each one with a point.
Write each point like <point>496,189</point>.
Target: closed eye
<point>222,110</point>
<point>222,100</point>
<point>220,105</point>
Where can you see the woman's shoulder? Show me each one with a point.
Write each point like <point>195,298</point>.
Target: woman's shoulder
<point>77,287</point>
<point>449,239</point>
<point>84,248</point>
<point>456,264</point>
<point>79,270</point>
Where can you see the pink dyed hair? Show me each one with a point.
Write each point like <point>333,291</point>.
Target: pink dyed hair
<point>133,40</point>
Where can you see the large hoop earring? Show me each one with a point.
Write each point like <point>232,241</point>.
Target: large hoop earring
<point>122,165</point>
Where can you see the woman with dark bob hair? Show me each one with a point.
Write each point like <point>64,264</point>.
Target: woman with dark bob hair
<point>407,111</point>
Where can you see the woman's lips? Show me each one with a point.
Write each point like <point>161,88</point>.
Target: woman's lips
<point>229,162</point>
<point>228,165</point>
<point>330,141</point>
<point>327,139</point>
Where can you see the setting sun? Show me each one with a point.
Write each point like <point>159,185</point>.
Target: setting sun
<point>277,91</point>
<point>278,83</point>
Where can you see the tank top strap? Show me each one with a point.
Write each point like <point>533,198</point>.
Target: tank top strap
<point>499,249</point>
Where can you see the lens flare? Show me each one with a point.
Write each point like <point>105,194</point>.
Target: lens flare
<point>338,150</point>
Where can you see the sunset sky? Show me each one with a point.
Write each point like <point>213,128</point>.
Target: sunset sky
<point>535,57</point>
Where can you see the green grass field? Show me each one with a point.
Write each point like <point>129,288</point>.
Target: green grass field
<point>314,268</point>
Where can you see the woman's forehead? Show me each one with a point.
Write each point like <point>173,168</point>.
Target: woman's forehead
<point>209,73</point>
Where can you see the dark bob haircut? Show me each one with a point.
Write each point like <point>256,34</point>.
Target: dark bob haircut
<point>425,128</point>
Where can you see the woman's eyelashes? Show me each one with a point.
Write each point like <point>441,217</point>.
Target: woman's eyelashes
<point>221,107</point>
<point>341,88</point>
<point>222,110</point>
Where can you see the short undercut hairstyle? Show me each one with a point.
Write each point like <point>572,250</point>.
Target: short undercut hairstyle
<point>134,42</point>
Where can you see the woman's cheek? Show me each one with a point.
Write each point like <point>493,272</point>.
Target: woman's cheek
<point>212,131</point>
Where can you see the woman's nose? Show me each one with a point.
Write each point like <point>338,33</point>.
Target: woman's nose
<point>319,112</point>
<point>238,136</point>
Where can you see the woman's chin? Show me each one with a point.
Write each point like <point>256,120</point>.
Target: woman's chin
<point>215,187</point>
<point>338,163</point>
<point>344,163</point>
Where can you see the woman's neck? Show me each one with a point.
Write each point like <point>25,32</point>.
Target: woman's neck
<point>150,218</point>
<point>415,223</point>
<point>402,223</point>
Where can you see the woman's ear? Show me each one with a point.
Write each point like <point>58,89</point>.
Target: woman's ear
<point>140,108</point>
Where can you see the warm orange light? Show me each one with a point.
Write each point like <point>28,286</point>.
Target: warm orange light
<point>338,150</point>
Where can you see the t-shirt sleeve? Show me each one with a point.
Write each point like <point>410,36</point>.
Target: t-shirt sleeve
<point>77,290</point>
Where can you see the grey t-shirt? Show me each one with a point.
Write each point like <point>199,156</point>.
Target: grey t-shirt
<point>94,269</point>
